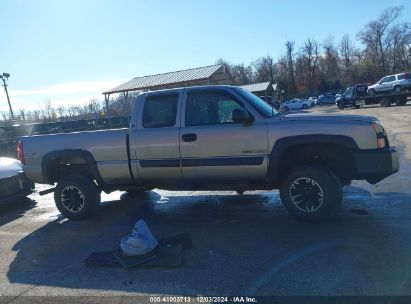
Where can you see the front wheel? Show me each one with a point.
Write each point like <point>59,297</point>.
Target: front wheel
<point>311,193</point>
<point>76,197</point>
<point>372,92</point>
<point>385,102</point>
<point>340,106</point>
<point>397,89</point>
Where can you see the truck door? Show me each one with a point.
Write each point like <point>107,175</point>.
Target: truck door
<point>213,147</point>
<point>155,137</point>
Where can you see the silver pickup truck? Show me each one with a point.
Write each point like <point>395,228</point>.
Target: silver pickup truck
<point>213,138</point>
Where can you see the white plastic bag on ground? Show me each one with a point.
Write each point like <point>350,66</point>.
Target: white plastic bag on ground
<point>139,241</point>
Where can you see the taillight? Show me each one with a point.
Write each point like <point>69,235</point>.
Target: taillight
<point>380,134</point>
<point>405,76</point>
<point>20,152</point>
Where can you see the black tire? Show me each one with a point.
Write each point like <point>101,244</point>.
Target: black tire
<point>340,106</point>
<point>404,100</point>
<point>314,182</point>
<point>401,101</point>
<point>357,106</point>
<point>371,92</point>
<point>77,197</point>
<point>385,102</point>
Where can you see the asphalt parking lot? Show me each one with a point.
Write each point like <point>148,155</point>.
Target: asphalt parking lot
<point>242,244</point>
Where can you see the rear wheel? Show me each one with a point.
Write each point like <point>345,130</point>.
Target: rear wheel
<point>76,197</point>
<point>311,193</point>
<point>340,106</point>
<point>385,102</point>
<point>403,101</point>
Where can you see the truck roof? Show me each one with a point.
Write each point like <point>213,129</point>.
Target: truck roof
<point>208,87</point>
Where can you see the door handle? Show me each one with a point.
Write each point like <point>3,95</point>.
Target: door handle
<point>189,137</point>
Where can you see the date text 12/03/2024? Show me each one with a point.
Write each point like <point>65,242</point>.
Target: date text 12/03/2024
<point>202,299</point>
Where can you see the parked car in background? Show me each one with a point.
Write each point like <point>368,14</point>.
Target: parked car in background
<point>293,104</point>
<point>306,103</point>
<point>13,183</point>
<point>313,100</point>
<point>392,83</point>
<point>326,99</point>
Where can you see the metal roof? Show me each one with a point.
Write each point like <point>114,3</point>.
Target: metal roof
<point>172,78</point>
<point>257,87</point>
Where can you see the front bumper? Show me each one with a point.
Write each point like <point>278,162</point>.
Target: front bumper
<point>377,164</point>
<point>15,187</point>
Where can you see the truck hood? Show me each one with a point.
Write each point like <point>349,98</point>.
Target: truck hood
<point>328,117</point>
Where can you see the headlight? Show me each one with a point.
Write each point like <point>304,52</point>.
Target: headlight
<point>380,134</point>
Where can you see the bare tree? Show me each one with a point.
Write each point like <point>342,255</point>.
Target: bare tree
<point>346,50</point>
<point>5,115</point>
<point>61,112</point>
<point>375,36</point>
<point>48,113</point>
<point>264,69</point>
<point>309,56</point>
<point>290,48</point>
<point>22,114</point>
<point>242,74</point>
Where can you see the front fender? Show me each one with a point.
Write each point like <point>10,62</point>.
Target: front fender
<point>283,143</point>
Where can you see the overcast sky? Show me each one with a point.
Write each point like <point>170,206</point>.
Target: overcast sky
<point>71,51</point>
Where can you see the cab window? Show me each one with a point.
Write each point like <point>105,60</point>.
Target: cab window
<point>210,108</point>
<point>349,93</point>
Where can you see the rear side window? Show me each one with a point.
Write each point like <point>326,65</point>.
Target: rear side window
<point>404,76</point>
<point>160,111</point>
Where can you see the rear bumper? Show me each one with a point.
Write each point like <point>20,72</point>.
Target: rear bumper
<point>377,164</point>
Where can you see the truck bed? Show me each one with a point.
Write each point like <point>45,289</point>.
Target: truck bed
<point>108,147</point>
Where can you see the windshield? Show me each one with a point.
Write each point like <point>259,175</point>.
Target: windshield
<point>257,103</point>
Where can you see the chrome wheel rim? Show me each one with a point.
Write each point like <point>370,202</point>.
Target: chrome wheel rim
<point>306,194</point>
<point>72,199</point>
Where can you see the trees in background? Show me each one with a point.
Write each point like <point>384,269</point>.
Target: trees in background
<point>309,69</point>
<point>316,67</point>
<point>93,109</point>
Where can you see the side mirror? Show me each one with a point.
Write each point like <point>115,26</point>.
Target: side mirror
<point>242,116</point>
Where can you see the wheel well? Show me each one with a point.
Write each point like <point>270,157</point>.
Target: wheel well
<point>335,157</point>
<point>63,166</point>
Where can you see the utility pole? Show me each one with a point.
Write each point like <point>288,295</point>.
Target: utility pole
<point>4,77</point>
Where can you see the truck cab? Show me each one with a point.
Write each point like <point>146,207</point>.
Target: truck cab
<point>353,96</point>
